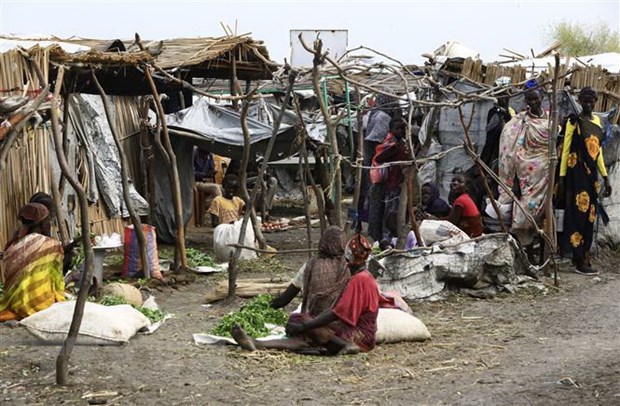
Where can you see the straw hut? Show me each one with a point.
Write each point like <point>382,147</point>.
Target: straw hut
<point>31,165</point>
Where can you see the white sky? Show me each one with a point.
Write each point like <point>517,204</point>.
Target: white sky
<point>401,29</point>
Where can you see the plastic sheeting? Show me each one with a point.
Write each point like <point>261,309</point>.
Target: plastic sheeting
<point>218,130</point>
<point>89,121</point>
<point>493,260</point>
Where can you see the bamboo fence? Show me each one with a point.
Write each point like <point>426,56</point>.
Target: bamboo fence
<point>28,164</point>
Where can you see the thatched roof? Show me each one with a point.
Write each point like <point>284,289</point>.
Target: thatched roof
<point>203,57</point>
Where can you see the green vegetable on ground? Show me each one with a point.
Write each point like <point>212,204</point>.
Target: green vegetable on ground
<point>252,317</point>
<point>199,258</point>
<point>153,315</point>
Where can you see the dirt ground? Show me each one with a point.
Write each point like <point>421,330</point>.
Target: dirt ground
<point>559,348</point>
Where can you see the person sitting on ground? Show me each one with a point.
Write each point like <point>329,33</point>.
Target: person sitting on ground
<point>432,204</point>
<point>346,328</point>
<point>464,214</point>
<point>33,266</point>
<point>228,208</point>
<point>322,278</point>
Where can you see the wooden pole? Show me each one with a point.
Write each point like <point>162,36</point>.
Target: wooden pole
<point>12,135</point>
<point>174,170</point>
<point>63,232</point>
<point>482,175</point>
<point>62,361</point>
<point>304,192</point>
<point>553,158</point>
<point>135,219</point>
<point>309,177</point>
<point>331,127</point>
<point>359,161</point>
<point>232,265</point>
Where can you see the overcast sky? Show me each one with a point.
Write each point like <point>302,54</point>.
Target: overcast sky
<point>401,29</point>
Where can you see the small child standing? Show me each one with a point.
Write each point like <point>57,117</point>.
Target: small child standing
<point>228,208</point>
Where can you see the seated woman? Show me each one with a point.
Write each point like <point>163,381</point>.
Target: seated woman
<point>349,326</point>
<point>464,213</point>
<point>228,208</point>
<point>432,204</point>
<point>322,278</point>
<point>33,267</point>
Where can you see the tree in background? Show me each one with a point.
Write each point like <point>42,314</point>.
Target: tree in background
<point>584,39</point>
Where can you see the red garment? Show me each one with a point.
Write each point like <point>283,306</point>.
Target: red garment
<point>471,220</point>
<point>394,174</point>
<point>357,310</point>
<point>469,208</point>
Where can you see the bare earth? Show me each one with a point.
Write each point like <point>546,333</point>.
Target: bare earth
<point>561,348</point>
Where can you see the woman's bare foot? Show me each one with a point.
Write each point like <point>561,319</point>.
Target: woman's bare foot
<point>349,349</point>
<point>242,338</point>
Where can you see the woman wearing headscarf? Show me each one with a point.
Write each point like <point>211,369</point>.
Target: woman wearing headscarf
<point>33,266</point>
<point>582,159</point>
<point>524,153</point>
<point>347,327</point>
<point>322,278</point>
<point>432,203</point>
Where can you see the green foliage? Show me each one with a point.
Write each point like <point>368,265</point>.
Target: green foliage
<point>583,39</point>
<point>1,288</point>
<point>199,258</point>
<point>153,315</point>
<point>252,317</point>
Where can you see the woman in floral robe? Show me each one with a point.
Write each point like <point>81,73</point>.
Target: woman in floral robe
<point>582,159</point>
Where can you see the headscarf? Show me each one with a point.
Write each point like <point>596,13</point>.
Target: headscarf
<point>331,243</point>
<point>326,275</point>
<point>588,91</point>
<point>357,251</point>
<point>436,206</point>
<point>32,216</point>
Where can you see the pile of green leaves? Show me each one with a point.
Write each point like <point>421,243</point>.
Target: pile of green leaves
<point>153,315</point>
<point>198,258</point>
<point>252,317</point>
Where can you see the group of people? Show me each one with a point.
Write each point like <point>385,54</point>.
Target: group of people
<point>524,167</point>
<point>213,175</point>
<point>340,302</point>
<point>522,148</point>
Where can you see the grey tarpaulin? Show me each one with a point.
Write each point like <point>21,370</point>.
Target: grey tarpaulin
<point>493,260</point>
<point>89,121</point>
<point>163,208</point>
<point>218,129</point>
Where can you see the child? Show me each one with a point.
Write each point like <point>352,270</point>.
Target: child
<point>228,208</point>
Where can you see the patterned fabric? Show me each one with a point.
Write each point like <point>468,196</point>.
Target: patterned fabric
<point>32,216</point>
<point>227,210</point>
<point>326,275</point>
<point>357,251</point>
<point>524,153</point>
<point>582,185</point>
<point>33,277</point>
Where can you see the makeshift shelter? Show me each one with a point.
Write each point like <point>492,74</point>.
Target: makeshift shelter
<point>118,66</point>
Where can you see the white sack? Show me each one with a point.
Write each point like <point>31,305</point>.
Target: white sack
<point>225,234</point>
<point>394,325</point>
<point>443,231</point>
<point>101,325</point>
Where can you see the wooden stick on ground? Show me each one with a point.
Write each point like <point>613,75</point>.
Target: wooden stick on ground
<point>135,219</point>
